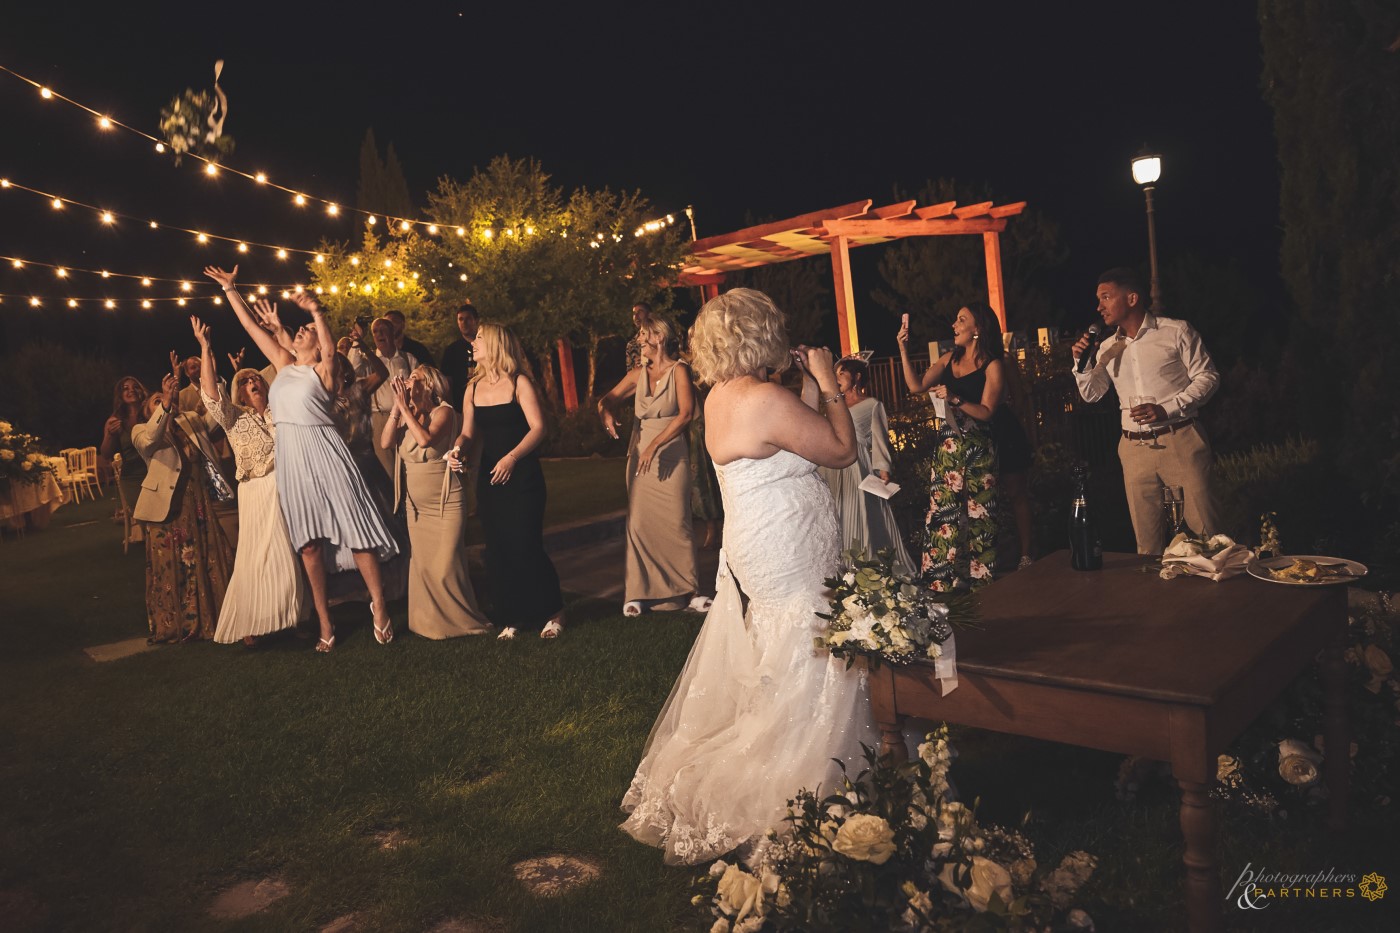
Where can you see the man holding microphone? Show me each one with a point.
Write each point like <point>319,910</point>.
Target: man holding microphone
<point>1163,374</point>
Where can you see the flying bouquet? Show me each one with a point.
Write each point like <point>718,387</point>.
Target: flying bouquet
<point>193,122</point>
<point>881,616</point>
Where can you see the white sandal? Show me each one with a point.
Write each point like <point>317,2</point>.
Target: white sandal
<point>552,629</point>
<point>700,604</point>
<point>632,608</point>
<point>507,634</point>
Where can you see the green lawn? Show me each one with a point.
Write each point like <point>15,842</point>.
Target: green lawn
<point>134,791</point>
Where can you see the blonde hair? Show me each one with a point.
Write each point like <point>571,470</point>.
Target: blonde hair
<point>434,379</point>
<point>737,334</point>
<point>668,332</point>
<point>501,354</point>
<point>240,394</point>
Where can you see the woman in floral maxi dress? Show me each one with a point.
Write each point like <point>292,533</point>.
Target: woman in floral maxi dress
<point>960,528</point>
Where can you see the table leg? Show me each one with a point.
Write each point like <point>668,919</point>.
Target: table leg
<point>1336,766</point>
<point>1203,894</point>
<point>885,710</point>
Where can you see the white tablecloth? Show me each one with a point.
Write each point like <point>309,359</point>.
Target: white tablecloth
<point>30,503</point>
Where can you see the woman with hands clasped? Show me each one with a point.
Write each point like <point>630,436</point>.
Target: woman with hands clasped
<point>266,592</point>
<point>323,496</point>
<point>660,543</point>
<point>420,426</point>
<point>501,411</point>
<point>960,529</point>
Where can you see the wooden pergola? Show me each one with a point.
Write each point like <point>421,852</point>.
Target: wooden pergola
<point>834,231</point>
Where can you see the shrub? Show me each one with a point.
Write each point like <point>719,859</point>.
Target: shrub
<point>61,394</point>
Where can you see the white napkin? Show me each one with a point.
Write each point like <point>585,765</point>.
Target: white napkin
<point>1186,556</point>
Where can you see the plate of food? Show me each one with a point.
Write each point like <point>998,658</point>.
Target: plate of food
<point>1307,570</point>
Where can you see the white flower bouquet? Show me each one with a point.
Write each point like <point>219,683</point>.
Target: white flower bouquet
<point>881,616</point>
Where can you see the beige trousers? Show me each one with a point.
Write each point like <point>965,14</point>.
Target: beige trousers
<point>1182,458</point>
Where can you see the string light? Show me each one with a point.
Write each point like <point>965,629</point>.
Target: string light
<point>354,260</point>
<point>58,203</point>
<point>180,302</point>
<point>105,123</point>
<point>72,302</point>
<point>210,168</point>
<point>34,302</point>
<point>300,200</point>
<point>160,147</point>
<point>243,247</point>
<point>185,286</point>
<point>107,217</point>
<point>61,272</point>
<point>404,225</point>
<point>45,93</point>
<point>372,220</point>
<point>109,304</point>
<point>260,178</point>
<point>461,231</point>
<point>17,263</point>
<point>146,303</point>
<point>282,254</point>
<point>432,228</point>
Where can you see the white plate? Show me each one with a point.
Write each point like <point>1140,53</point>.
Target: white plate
<point>1260,569</point>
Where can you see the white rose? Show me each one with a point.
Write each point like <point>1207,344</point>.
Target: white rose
<point>1298,770</point>
<point>848,578</point>
<point>1219,542</point>
<point>718,868</point>
<point>988,878</point>
<point>865,838</point>
<point>740,893</point>
<point>7,455</point>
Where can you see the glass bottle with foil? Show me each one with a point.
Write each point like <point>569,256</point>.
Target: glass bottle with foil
<point>1085,545</point>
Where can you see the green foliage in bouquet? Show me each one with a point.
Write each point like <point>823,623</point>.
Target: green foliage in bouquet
<point>889,852</point>
<point>20,456</point>
<point>880,615</point>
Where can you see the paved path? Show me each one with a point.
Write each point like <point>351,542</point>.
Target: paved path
<point>596,570</point>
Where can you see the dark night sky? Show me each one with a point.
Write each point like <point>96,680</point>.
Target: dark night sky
<point>777,110</point>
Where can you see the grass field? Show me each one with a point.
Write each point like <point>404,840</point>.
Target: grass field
<point>136,790</point>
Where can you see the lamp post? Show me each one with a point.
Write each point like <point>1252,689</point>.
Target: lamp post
<point>1147,168</point>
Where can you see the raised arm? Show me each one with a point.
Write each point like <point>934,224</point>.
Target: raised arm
<point>276,354</point>
<point>828,441</point>
<point>625,388</point>
<point>150,436</point>
<point>325,339</point>
<point>218,409</point>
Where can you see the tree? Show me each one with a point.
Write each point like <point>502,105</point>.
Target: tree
<point>1329,75</point>
<point>930,278</point>
<point>382,188</point>
<point>379,277</point>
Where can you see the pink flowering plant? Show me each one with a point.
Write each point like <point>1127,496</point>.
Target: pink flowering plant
<point>889,851</point>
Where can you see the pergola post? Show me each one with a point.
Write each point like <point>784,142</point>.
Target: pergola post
<point>566,374</point>
<point>996,295</point>
<point>845,297</point>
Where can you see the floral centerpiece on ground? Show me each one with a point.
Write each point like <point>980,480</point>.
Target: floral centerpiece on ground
<point>889,852</point>
<point>20,456</point>
<point>881,616</point>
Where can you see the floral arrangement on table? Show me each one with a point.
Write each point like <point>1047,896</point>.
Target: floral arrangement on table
<point>882,616</point>
<point>20,456</point>
<point>890,852</point>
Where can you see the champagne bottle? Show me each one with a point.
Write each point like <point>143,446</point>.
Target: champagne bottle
<point>1085,546</point>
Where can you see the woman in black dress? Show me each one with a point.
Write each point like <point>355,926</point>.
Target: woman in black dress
<point>501,409</point>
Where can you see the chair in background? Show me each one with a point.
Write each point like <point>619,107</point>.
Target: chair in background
<point>131,531</point>
<point>92,468</point>
<point>79,477</point>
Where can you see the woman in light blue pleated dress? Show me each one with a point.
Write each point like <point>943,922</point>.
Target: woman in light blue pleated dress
<point>323,496</point>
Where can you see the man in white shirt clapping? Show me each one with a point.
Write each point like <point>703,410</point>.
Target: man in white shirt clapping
<point>1163,375</point>
<point>399,363</point>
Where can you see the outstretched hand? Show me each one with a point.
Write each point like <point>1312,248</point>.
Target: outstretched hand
<point>307,302</point>
<point>201,331</point>
<point>268,315</point>
<point>170,391</point>
<point>225,279</point>
<point>820,363</point>
<point>237,359</point>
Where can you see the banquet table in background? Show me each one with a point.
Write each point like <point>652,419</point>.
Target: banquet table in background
<point>1123,661</point>
<point>29,505</point>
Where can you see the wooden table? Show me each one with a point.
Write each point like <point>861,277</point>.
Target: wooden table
<point>1123,661</point>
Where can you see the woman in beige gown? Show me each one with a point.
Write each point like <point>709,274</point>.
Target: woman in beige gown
<point>441,601</point>
<point>660,543</point>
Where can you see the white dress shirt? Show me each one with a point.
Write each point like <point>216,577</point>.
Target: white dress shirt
<point>1166,361</point>
<point>400,364</point>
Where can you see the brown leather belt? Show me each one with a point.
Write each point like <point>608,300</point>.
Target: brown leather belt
<point>1164,429</point>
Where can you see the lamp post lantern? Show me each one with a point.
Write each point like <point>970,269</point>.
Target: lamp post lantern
<point>1147,168</point>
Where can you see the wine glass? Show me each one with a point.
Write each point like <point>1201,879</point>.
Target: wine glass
<point>1133,402</point>
<point>1174,502</point>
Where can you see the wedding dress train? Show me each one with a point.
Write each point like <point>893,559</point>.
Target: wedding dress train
<point>758,712</point>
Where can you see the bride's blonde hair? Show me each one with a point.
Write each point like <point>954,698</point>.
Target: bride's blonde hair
<point>737,334</point>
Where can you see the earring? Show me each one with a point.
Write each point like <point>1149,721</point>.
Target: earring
<point>975,336</point>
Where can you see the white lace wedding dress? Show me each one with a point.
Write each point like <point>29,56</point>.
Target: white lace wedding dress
<point>758,712</point>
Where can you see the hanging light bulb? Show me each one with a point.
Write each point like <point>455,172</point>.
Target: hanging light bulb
<point>57,204</point>
<point>185,286</point>
<point>105,123</point>
<point>463,276</point>
<point>335,289</point>
<point>109,304</point>
<point>354,260</point>
<point>17,263</point>
<point>106,274</point>
<point>300,200</point>
<point>319,290</point>
<point>153,225</point>
<point>203,238</point>
<point>243,247</point>
<point>461,231</point>
<point>72,302</point>
<point>286,294</point>
<point>146,282</point>
<point>180,302</point>
<point>320,258</point>
<point>210,168</point>
<point>372,220</point>
<point>405,225</point>
<point>367,288</point>
<point>260,178</point>
<point>432,228</point>
<point>61,272</point>
<point>34,302</point>
<point>45,93</point>
<point>218,300</point>
<point>488,233</point>
<point>146,303</point>
<point>388,264</point>
<point>107,217</point>
<point>4,183</point>
<point>262,289</point>
<point>333,210</point>
<point>281,254</point>
<point>160,147</point>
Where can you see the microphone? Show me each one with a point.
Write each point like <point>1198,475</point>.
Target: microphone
<point>1089,350</point>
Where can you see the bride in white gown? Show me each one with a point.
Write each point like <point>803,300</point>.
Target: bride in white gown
<point>758,712</point>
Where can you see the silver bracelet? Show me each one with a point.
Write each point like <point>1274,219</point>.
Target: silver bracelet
<point>835,398</point>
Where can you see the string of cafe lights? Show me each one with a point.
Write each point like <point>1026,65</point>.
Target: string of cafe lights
<point>64,272</point>
<point>110,217</point>
<point>300,198</point>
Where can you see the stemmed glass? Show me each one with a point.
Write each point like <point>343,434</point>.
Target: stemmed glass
<point>1133,402</point>
<point>1174,502</point>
